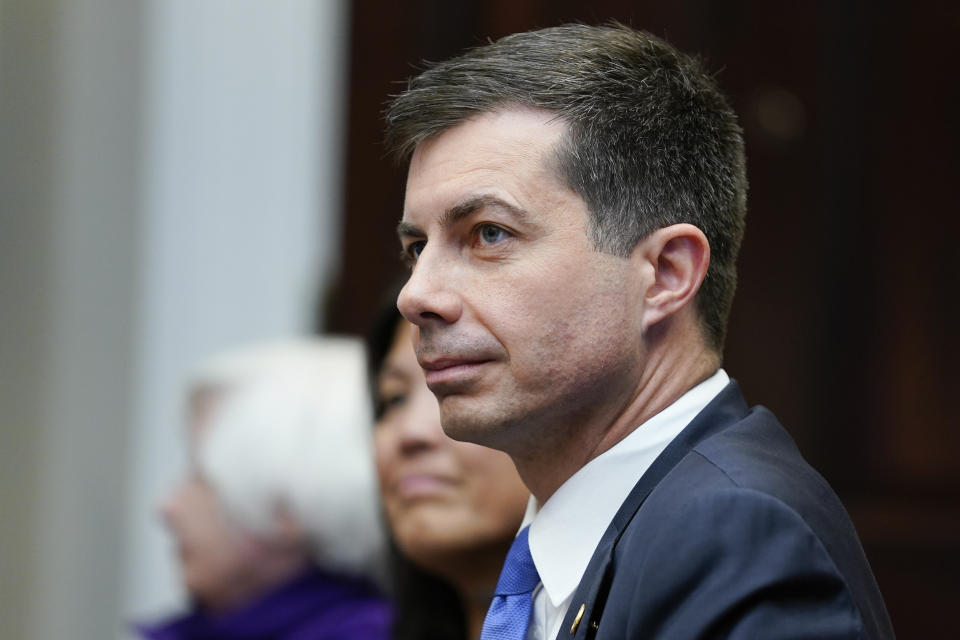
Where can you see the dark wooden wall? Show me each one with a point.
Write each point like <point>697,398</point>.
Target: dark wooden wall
<point>847,318</point>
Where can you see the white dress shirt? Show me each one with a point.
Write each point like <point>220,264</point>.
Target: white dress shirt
<point>565,531</point>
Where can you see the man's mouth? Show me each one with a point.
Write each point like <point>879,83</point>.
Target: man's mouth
<point>443,375</point>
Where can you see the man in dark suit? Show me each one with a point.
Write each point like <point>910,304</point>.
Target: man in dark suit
<point>573,212</point>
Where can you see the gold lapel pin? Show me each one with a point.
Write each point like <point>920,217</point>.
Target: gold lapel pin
<point>576,621</point>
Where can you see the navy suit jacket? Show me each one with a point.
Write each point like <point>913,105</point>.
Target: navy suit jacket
<point>729,534</point>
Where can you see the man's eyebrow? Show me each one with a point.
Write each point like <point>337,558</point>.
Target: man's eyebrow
<point>471,205</point>
<point>460,211</point>
<point>408,230</point>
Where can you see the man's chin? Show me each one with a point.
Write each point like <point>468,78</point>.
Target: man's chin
<point>469,420</point>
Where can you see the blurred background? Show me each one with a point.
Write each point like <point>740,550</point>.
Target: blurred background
<point>180,176</point>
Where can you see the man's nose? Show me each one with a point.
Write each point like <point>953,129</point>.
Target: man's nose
<point>430,297</point>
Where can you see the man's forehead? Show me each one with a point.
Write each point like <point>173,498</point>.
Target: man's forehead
<point>474,164</point>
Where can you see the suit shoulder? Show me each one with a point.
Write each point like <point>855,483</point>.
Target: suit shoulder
<point>758,454</point>
<point>747,489</point>
<point>728,562</point>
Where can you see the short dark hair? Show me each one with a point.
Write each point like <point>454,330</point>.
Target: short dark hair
<point>650,139</point>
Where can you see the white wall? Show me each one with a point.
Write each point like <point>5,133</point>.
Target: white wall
<point>171,186</point>
<point>242,120</point>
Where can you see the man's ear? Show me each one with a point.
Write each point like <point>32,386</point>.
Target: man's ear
<point>679,256</point>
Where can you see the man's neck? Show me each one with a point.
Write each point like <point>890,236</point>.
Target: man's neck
<point>667,375</point>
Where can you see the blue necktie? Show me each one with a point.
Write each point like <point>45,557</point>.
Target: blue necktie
<point>509,613</point>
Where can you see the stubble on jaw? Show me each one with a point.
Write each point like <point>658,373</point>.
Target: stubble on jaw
<point>553,423</point>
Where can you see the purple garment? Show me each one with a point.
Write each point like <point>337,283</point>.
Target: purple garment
<point>313,606</point>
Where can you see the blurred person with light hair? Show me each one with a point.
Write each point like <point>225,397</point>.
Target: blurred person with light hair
<point>277,521</point>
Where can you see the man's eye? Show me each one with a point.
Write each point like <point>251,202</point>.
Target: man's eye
<point>492,234</point>
<point>413,251</point>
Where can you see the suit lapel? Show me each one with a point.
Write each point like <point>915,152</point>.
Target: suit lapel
<point>591,594</point>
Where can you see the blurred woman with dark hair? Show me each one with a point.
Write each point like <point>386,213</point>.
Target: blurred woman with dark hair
<point>453,507</point>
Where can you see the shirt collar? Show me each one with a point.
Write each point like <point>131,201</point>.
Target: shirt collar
<point>565,530</point>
